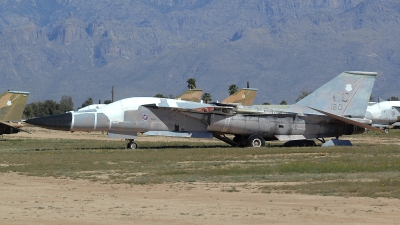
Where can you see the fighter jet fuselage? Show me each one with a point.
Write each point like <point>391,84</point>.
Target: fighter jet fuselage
<point>140,119</point>
<point>335,109</point>
<point>384,113</point>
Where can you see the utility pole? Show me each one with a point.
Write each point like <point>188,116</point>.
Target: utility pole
<point>112,94</point>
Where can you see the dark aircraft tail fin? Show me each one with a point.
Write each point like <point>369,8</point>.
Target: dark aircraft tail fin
<point>346,95</point>
<point>12,105</point>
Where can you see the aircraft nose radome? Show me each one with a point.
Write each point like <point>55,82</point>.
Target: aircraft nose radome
<point>54,122</point>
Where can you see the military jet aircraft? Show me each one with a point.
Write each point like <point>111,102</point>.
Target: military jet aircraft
<point>384,114</point>
<point>335,109</point>
<point>193,95</point>
<point>12,104</point>
<point>244,96</point>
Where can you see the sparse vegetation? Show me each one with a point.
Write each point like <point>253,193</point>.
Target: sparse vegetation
<point>48,107</point>
<point>367,169</point>
<point>206,97</point>
<point>232,89</point>
<point>304,93</point>
<point>393,98</point>
<point>88,102</point>
<point>159,96</point>
<point>191,83</point>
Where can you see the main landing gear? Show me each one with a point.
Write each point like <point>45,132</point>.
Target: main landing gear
<point>254,140</point>
<point>131,144</point>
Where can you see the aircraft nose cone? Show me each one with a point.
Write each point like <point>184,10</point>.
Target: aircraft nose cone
<point>54,122</point>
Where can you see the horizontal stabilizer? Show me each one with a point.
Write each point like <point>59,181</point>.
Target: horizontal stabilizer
<point>11,128</point>
<point>349,121</point>
<point>13,125</point>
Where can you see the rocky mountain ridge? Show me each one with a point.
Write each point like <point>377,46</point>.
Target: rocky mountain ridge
<point>144,47</point>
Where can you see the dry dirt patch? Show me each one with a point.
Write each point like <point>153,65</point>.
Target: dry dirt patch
<point>36,200</point>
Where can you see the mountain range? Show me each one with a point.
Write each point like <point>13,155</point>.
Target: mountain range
<point>81,49</point>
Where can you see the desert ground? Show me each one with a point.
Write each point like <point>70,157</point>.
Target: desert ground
<point>39,200</point>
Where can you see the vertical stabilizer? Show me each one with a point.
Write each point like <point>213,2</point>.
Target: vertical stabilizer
<point>12,105</point>
<point>345,95</point>
<point>193,95</point>
<point>244,96</point>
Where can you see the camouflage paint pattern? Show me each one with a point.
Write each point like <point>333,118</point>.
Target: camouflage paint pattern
<point>244,96</point>
<point>12,105</point>
<point>193,95</point>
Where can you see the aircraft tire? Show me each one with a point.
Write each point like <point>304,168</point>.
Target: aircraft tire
<point>255,141</point>
<point>386,130</point>
<point>132,145</point>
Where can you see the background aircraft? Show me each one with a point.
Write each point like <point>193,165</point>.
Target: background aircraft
<point>384,114</point>
<point>244,96</point>
<point>337,108</point>
<point>193,95</point>
<point>12,104</point>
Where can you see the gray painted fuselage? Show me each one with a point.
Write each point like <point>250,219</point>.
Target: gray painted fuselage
<point>335,109</point>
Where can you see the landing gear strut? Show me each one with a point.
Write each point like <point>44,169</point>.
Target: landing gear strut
<point>254,140</point>
<point>386,129</point>
<point>131,144</point>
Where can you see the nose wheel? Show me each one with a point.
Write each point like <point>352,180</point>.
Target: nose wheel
<point>131,145</point>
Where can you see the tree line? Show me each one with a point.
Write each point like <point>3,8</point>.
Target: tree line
<point>51,107</point>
